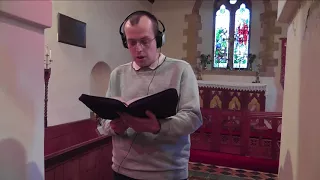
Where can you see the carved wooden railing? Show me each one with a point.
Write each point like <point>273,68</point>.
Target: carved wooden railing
<point>75,151</point>
<point>250,134</point>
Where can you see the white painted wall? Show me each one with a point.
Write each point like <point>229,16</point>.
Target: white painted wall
<point>22,26</point>
<point>299,154</point>
<point>72,66</point>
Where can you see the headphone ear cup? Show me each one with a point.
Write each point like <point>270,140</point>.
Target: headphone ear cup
<point>125,44</point>
<point>159,39</point>
<point>163,39</point>
<point>124,41</point>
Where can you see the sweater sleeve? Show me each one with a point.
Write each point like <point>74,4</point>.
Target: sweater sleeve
<point>188,118</point>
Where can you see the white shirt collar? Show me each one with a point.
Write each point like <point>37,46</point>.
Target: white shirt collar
<point>154,65</point>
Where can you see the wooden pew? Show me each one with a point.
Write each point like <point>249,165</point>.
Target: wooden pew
<point>75,151</point>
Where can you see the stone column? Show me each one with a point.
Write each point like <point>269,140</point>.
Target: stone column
<point>22,25</point>
<point>300,145</point>
<point>270,45</point>
<point>192,33</point>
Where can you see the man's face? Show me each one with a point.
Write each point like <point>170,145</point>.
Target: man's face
<point>141,42</point>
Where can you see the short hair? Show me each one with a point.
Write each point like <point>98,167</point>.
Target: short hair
<point>134,19</point>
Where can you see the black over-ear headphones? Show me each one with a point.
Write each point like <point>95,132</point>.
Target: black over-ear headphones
<point>160,36</point>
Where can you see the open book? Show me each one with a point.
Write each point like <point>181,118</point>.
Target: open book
<point>162,105</point>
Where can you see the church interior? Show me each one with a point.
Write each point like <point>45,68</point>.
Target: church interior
<point>253,59</point>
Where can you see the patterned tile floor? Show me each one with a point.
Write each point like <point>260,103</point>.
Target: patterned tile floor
<point>198,171</point>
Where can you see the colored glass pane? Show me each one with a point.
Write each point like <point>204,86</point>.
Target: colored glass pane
<point>221,37</point>
<point>241,42</point>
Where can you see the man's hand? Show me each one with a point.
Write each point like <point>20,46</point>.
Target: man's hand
<point>150,124</point>
<point>118,126</point>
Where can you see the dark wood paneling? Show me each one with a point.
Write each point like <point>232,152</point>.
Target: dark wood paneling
<point>75,151</point>
<point>66,135</point>
<point>94,163</point>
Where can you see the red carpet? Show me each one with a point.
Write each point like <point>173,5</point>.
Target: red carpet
<point>235,161</point>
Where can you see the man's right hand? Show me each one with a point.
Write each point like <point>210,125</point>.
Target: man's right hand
<point>118,126</point>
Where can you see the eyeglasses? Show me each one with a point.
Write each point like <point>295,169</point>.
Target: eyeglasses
<point>145,42</point>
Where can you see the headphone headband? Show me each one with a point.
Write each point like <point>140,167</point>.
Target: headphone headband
<point>160,36</point>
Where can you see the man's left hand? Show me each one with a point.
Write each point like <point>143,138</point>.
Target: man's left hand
<point>150,124</point>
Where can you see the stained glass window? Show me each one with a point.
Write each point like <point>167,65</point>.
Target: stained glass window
<point>241,43</point>
<point>221,37</point>
<point>231,33</point>
<point>233,1</point>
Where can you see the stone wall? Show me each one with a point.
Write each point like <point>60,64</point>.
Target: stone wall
<point>269,43</point>
<point>192,33</point>
<point>271,31</point>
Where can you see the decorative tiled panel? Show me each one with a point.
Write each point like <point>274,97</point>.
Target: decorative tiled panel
<point>227,99</point>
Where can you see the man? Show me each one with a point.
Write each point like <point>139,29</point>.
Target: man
<point>151,148</point>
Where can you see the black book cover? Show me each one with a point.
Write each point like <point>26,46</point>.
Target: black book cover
<point>162,105</point>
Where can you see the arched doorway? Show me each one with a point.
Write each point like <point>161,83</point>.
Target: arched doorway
<point>99,79</point>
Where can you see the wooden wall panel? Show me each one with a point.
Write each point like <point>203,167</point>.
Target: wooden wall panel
<point>92,165</point>
<point>75,151</point>
<point>62,136</point>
